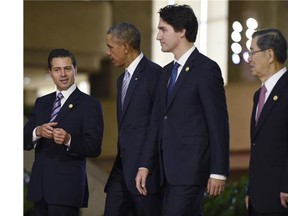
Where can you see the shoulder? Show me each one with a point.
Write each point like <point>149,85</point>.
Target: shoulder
<point>86,97</point>
<point>150,64</point>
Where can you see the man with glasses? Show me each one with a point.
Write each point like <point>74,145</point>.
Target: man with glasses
<point>268,170</point>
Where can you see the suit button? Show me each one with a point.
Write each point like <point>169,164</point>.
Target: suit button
<point>253,144</point>
<point>165,117</point>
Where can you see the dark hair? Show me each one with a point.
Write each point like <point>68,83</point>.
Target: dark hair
<point>56,53</point>
<point>272,39</point>
<point>181,17</point>
<point>128,33</point>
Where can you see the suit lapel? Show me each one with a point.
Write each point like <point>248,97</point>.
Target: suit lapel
<point>187,68</point>
<point>118,104</point>
<point>71,102</point>
<point>271,101</point>
<point>132,85</point>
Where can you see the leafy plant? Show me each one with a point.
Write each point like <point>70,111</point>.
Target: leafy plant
<point>28,206</point>
<point>230,202</point>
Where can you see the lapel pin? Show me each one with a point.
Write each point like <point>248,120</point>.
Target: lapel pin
<point>275,98</point>
<point>136,78</point>
<point>70,106</point>
<point>187,69</point>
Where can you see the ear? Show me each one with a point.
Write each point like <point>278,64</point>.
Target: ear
<point>271,56</point>
<point>126,48</point>
<point>182,33</point>
<point>76,69</point>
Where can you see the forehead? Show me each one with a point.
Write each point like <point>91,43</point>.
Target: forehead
<point>254,43</point>
<point>111,39</point>
<point>163,24</point>
<point>61,61</point>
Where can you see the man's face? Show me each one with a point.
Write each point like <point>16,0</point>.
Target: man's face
<point>169,39</point>
<point>62,72</point>
<point>258,60</point>
<point>117,51</point>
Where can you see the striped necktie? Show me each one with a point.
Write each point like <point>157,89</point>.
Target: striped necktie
<point>125,84</point>
<point>56,106</point>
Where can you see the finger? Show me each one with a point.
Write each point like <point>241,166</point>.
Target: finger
<point>138,183</point>
<point>283,203</point>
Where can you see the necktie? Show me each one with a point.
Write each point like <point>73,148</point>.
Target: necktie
<point>56,106</point>
<point>261,101</point>
<point>125,84</point>
<point>172,78</point>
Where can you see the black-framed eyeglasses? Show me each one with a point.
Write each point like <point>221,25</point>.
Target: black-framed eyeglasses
<point>251,53</point>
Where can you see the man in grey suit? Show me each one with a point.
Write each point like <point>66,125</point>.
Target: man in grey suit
<point>136,89</point>
<point>190,119</point>
<point>268,169</point>
<point>65,127</point>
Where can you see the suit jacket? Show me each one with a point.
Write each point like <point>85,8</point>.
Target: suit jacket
<point>133,123</point>
<point>268,169</point>
<point>192,125</point>
<point>58,173</point>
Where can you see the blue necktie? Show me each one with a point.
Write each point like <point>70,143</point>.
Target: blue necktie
<point>56,106</point>
<point>172,79</point>
<point>125,85</point>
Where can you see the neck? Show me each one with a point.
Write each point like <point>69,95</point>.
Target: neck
<point>182,49</point>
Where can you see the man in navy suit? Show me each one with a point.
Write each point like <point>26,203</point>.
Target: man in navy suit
<point>62,141</point>
<point>136,89</point>
<point>268,169</point>
<point>190,120</point>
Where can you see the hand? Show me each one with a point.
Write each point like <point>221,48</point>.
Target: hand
<point>60,136</point>
<point>46,130</point>
<point>284,199</point>
<point>247,201</point>
<point>215,187</point>
<point>141,181</point>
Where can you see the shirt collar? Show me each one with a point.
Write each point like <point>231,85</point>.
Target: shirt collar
<point>182,60</point>
<point>271,82</point>
<point>131,68</point>
<point>68,92</point>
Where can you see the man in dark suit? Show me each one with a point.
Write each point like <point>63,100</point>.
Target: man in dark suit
<point>191,118</point>
<point>62,141</point>
<point>268,170</point>
<point>136,89</point>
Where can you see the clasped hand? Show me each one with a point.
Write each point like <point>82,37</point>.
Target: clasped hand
<point>50,131</point>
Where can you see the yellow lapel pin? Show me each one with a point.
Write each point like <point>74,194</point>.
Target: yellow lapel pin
<point>70,106</point>
<point>275,98</point>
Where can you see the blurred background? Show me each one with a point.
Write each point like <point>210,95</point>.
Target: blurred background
<point>225,29</point>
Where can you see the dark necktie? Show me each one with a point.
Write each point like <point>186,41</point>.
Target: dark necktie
<point>172,79</point>
<point>56,106</point>
<point>125,84</point>
<point>261,101</point>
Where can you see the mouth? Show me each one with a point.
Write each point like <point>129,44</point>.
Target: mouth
<point>64,81</point>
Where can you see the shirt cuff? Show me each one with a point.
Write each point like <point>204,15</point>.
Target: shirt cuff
<point>143,168</point>
<point>216,176</point>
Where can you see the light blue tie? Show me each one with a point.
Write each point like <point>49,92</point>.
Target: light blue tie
<point>172,79</point>
<point>56,106</point>
<point>125,85</point>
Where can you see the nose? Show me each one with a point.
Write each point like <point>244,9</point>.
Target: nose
<point>249,58</point>
<point>158,36</point>
<point>63,72</point>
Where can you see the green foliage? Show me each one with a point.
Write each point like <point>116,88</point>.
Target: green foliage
<point>28,206</point>
<point>230,202</point>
